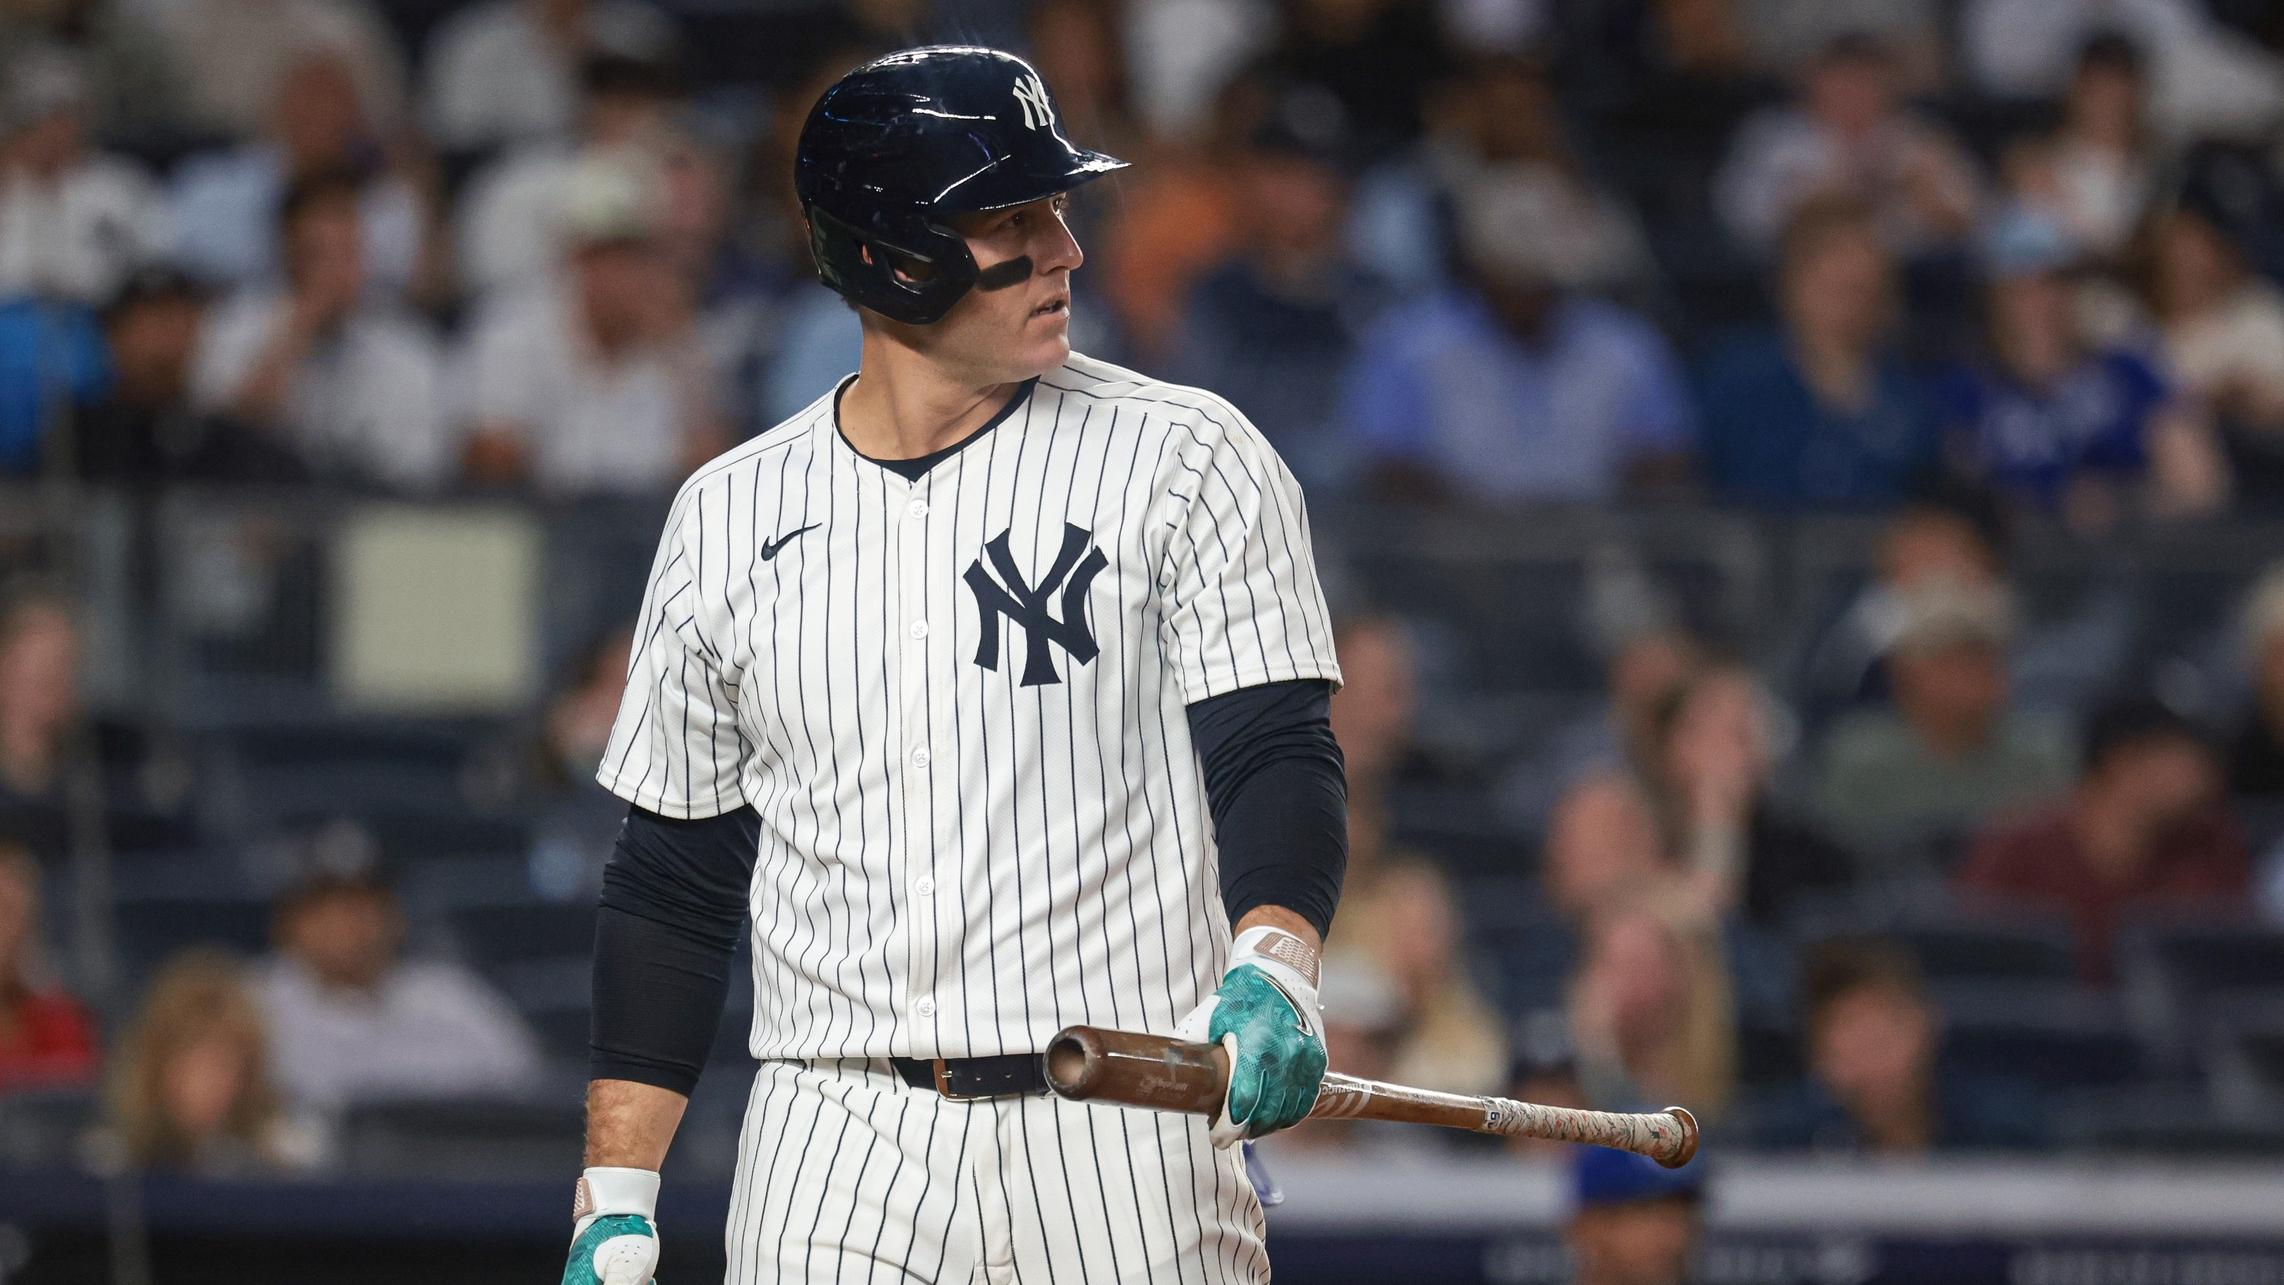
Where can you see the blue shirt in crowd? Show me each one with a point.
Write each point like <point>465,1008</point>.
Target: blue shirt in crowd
<point>1770,443</point>
<point>1441,385</point>
<point>52,360</point>
<point>1277,354</point>
<point>2030,443</point>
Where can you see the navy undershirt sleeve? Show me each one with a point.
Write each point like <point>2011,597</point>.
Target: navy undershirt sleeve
<point>673,906</point>
<point>1278,791</point>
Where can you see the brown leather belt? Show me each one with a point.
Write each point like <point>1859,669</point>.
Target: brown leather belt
<point>966,1079</point>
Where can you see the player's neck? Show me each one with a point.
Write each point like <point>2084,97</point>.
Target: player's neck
<point>903,407</point>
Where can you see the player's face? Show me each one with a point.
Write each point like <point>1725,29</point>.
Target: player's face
<point>1017,330</point>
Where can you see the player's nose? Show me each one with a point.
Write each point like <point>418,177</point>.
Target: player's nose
<point>1062,249</point>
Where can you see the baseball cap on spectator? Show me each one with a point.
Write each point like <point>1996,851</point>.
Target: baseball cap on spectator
<point>1602,1177</point>
<point>2027,243</point>
<point>1949,614</point>
<point>607,200</point>
<point>2128,721</point>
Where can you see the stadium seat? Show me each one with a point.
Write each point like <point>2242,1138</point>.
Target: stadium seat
<point>470,1139</point>
<point>2050,1036</point>
<point>42,1128</point>
<point>151,930</point>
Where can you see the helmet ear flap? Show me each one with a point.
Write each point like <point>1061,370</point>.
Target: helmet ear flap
<point>916,281</point>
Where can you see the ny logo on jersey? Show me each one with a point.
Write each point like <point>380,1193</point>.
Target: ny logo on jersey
<point>1025,604</point>
<point>1031,92</point>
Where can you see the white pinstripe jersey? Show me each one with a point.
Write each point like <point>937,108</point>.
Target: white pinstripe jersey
<point>957,705</point>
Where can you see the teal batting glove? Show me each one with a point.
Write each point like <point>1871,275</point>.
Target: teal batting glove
<point>615,1238</point>
<point>1265,1015</point>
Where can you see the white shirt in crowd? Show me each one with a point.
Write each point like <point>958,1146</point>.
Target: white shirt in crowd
<point>430,1029</point>
<point>591,424</point>
<point>495,76</point>
<point>78,237</point>
<point>506,226</point>
<point>366,406</point>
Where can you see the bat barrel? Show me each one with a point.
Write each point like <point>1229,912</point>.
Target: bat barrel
<point>1134,1069</point>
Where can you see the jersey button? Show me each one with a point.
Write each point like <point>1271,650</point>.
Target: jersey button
<point>920,757</point>
<point>925,1008</point>
<point>919,629</point>
<point>925,886</point>
<point>917,508</point>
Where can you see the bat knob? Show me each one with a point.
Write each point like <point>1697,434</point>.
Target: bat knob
<point>1686,1149</point>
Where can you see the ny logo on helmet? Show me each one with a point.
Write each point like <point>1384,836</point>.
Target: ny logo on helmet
<point>1031,92</point>
<point>1025,604</point>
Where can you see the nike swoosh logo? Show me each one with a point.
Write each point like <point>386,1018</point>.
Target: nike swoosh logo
<point>771,548</point>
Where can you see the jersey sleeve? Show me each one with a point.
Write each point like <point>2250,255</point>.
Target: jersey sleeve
<point>1242,604</point>
<point>677,748</point>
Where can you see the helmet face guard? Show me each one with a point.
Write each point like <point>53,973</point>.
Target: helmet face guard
<point>901,143</point>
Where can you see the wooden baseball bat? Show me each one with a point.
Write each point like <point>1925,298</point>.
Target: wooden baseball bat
<point>1165,1074</point>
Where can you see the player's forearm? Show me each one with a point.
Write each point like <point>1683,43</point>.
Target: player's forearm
<point>1279,917</point>
<point>630,1125</point>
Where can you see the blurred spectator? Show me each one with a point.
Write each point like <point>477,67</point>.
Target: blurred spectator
<point>509,222</point>
<point>1633,1221</point>
<point>1649,659</point>
<point>1949,537</point>
<point>1182,53</point>
<point>1910,780</point>
<point>2096,173</point>
<point>1080,48</point>
<point>193,1089</point>
<point>2256,751</point>
<point>580,715</point>
<point>1735,843</point>
<point>366,1025</point>
<point>1824,410</point>
<point>1602,842</point>
<point>2142,827</point>
<point>507,71</point>
<point>1406,921</point>
<point>2208,80</point>
<point>1849,134</point>
<point>51,366</point>
<point>2048,421</point>
<point>1516,387</point>
<point>46,1037</point>
<point>1274,325</point>
<point>40,702</point>
<point>1375,718</point>
<point>594,382</point>
<point>134,82</point>
<point>73,221</point>
<point>1784,35</point>
<point>237,55</point>
<point>1497,123</point>
<point>1652,1014</point>
<point>2222,327</point>
<point>1876,1085</point>
<point>351,381</point>
<point>144,430</point>
<point>1375,57</point>
<point>226,203</point>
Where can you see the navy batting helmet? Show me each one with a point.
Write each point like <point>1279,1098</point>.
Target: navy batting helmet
<point>903,141</point>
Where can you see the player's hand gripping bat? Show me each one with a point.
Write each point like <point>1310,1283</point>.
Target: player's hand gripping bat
<point>1166,1074</point>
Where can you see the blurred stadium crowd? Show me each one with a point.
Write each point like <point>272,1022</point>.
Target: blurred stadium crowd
<point>1797,475</point>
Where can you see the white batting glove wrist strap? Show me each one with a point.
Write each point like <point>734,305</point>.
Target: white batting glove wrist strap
<point>1277,952</point>
<point>605,1191</point>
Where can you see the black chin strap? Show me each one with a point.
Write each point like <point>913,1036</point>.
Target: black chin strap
<point>999,276</point>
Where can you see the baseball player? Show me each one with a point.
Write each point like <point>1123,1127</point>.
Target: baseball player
<point>992,689</point>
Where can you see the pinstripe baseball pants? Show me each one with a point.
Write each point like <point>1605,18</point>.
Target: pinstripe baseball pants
<point>847,1174</point>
